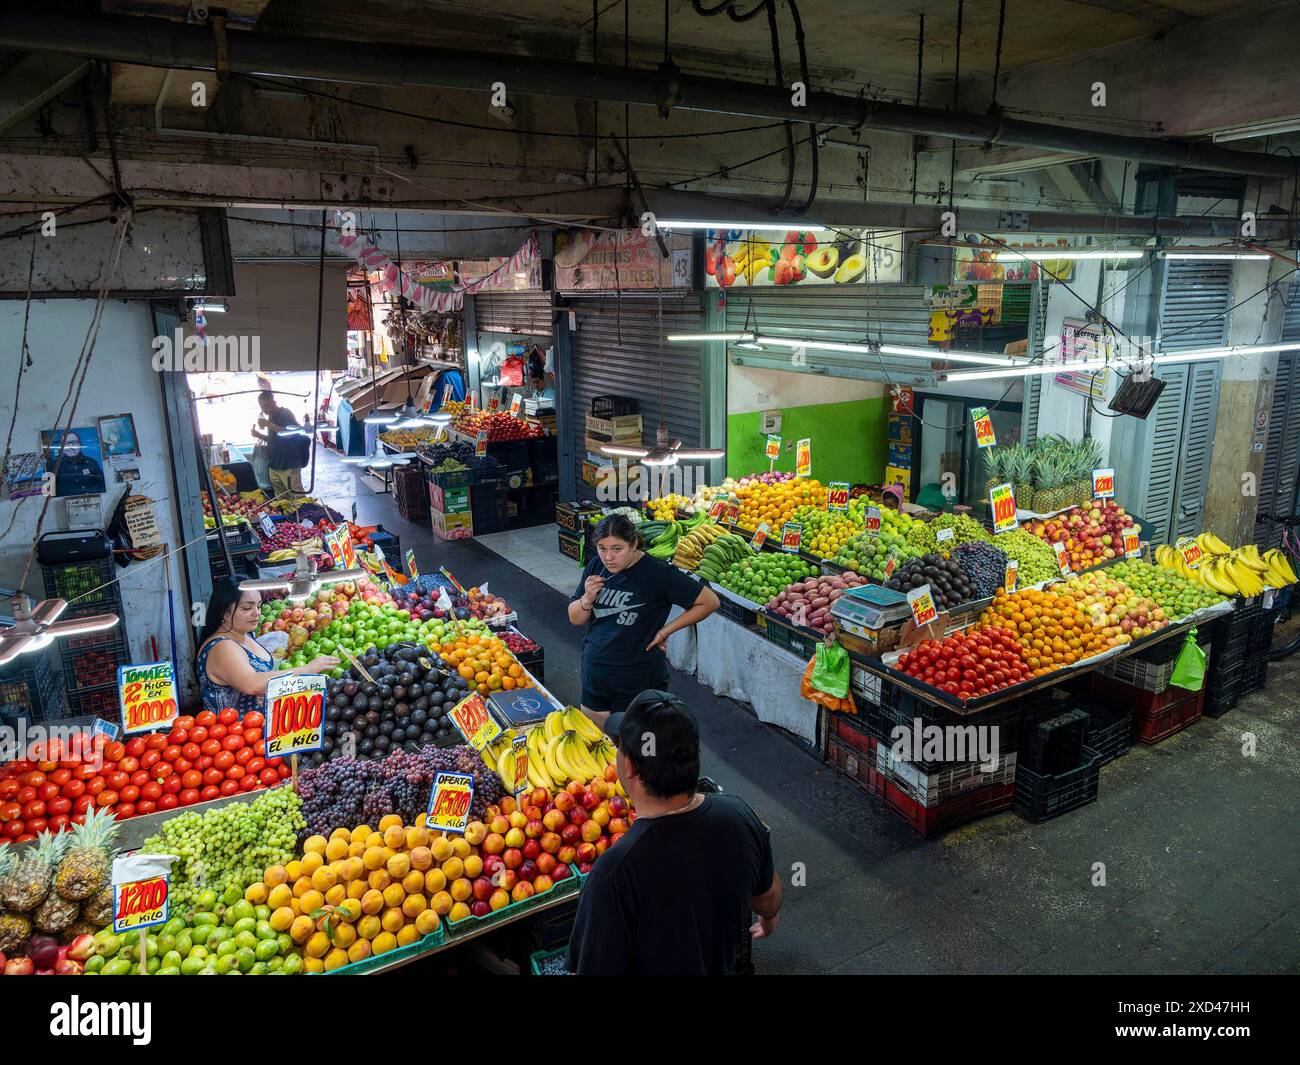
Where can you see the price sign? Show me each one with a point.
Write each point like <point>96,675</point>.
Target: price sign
<point>837,495</point>
<point>1061,559</point>
<point>1132,545</point>
<point>516,404</point>
<point>984,436</point>
<point>760,536</point>
<point>890,563</point>
<point>147,694</point>
<point>340,547</point>
<point>104,728</point>
<point>295,716</point>
<point>1002,499</point>
<point>872,521</point>
<point>733,511</point>
<point>803,458</point>
<point>921,600</point>
<point>943,534</point>
<point>718,506</point>
<point>773,449</point>
<point>791,535</point>
<point>454,582</point>
<point>480,443</point>
<point>268,526</point>
<point>410,564</point>
<point>449,802</point>
<point>1103,484</point>
<point>472,720</point>
<point>1190,550</point>
<point>140,891</point>
<point>1011,578</point>
<point>494,404</point>
<point>520,747</point>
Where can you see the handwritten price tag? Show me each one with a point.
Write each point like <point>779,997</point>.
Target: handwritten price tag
<point>520,746</point>
<point>1002,500</point>
<point>1012,576</point>
<point>803,458</point>
<point>410,564</point>
<point>732,514</point>
<point>1103,484</point>
<point>340,547</point>
<point>449,802</point>
<point>871,523</point>
<point>494,404</point>
<point>295,716</point>
<point>140,891</point>
<point>471,718</point>
<point>480,443</point>
<point>984,435</point>
<point>718,506</point>
<point>516,404</point>
<point>837,495</point>
<point>147,694</point>
<point>268,526</point>
<point>773,448</point>
<point>1190,550</point>
<point>760,536</point>
<point>791,535</point>
<point>890,563</point>
<point>1132,545</point>
<point>942,535</point>
<point>1061,559</point>
<point>921,600</point>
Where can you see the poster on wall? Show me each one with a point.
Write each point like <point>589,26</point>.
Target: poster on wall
<point>121,445</point>
<point>980,263</point>
<point>24,474</point>
<point>588,259</point>
<point>79,460</point>
<point>746,258</point>
<point>494,275</point>
<point>1080,342</point>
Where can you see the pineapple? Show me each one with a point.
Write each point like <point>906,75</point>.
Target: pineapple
<point>26,887</point>
<point>56,914</point>
<point>81,928</point>
<point>1088,457</point>
<point>1019,470</point>
<point>99,907</point>
<point>87,865</point>
<point>995,468</point>
<point>15,928</point>
<point>1050,495</point>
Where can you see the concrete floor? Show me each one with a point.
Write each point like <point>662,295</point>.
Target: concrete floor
<point>1200,844</point>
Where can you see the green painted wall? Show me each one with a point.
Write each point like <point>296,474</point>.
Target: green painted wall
<point>848,440</point>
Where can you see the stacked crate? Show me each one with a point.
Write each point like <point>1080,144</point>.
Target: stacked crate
<point>1142,681</point>
<point>90,662</point>
<point>612,420</point>
<point>449,504</point>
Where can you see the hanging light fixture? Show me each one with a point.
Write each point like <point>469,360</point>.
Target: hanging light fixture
<point>1212,254</point>
<point>378,461</point>
<point>758,341</point>
<point>1159,358</point>
<point>305,430</point>
<point>36,628</point>
<point>303,582</point>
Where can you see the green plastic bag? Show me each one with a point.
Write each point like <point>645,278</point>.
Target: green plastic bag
<point>831,670</point>
<point>1189,670</point>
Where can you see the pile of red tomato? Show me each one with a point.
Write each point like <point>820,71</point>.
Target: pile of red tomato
<point>968,664</point>
<point>203,757</point>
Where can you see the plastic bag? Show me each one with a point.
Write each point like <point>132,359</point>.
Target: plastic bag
<point>261,463</point>
<point>831,670</point>
<point>1189,669</point>
<point>831,702</point>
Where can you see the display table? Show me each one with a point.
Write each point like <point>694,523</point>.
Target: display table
<point>742,664</point>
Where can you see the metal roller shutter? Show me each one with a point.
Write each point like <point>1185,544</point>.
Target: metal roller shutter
<point>1034,383</point>
<point>1163,429</point>
<point>525,313</point>
<point>1201,411</point>
<point>1277,482</point>
<point>616,351</point>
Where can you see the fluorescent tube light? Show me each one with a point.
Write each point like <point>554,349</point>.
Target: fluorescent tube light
<point>688,338</point>
<point>758,227</point>
<point>1038,254</point>
<point>1212,255</point>
<point>219,307</point>
<point>1259,129</point>
<point>619,451</point>
<point>1159,359</point>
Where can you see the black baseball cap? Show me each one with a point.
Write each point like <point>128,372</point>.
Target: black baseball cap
<point>659,713</point>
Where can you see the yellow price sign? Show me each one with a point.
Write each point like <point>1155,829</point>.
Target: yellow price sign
<point>984,435</point>
<point>147,694</point>
<point>449,802</point>
<point>718,505</point>
<point>791,535</point>
<point>921,600</point>
<point>1190,550</point>
<point>1132,545</point>
<point>140,904</point>
<point>295,715</point>
<point>837,495</point>
<point>803,458</point>
<point>773,448</point>
<point>1061,559</point>
<point>1002,500</point>
<point>471,718</point>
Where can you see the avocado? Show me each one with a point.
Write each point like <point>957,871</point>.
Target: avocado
<point>851,269</point>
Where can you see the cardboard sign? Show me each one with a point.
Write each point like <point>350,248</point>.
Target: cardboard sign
<point>773,448</point>
<point>942,534</point>
<point>472,720</point>
<point>984,435</point>
<point>516,404</point>
<point>1002,500</point>
<point>295,716</point>
<point>1190,550</point>
<point>494,404</point>
<point>1012,576</point>
<point>449,801</point>
<point>837,495</point>
<point>141,891</point>
<point>760,536</point>
<point>791,535</point>
<point>1061,559</point>
<point>410,564</point>
<point>871,523</point>
<point>732,514</point>
<point>268,526</point>
<point>1132,545</point>
<point>339,543</point>
<point>520,747</point>
<point>480,443</point>
<point>142,526</point>
<point>803,458</point>
<point>718,507</point>
<point>1103,484</point>
<point>921,600</point>
<point>147,695</point>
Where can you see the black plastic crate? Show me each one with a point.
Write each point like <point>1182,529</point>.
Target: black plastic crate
<point>237,536</point>
<point>1054,744</point>
<point>512,454</point>
<point>390,544</point>
<point>90,587</point>
<point>1042,796</point>
<point>614,406</point>
<point>410,492</point>
<point>91,661</point>
<point>881,721</point>
<point>30,685</point>
<point>490,506</point>
<point>1218,703</point>
<point>1110,730</point>
<point>737,612</point>
<point>801,642</point>
<point>96,702</point>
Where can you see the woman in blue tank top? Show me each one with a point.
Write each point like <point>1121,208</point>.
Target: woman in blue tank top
<point>233,669</point>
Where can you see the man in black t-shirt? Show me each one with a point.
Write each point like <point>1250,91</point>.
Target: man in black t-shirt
<point>674,895</point>
<point>285,454</point>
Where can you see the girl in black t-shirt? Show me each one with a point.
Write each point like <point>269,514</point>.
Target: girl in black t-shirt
<point>623,599</point>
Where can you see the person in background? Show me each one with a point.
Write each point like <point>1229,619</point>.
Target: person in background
<point>623,599</point>
<point>539,388</point>
<point>77,473</point>
<point>892,496</point>
<point>285,455</point>
<point>675,895</point>
<point>233,669</point>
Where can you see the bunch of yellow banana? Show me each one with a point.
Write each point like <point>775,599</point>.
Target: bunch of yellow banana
<point>691,546</point>
<point>1280,571</point>
<point>750,256</point>
<point>288,554</point>
<point>569,746</point>
<point>1243,571</point>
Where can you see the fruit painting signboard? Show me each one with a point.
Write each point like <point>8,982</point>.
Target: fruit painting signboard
<point>1002,501</point>
<point>766,258</point>
<point>803,458</point>
<point>147,694</point>
<point>981,261</point>
<point>984,435</point>
<point>472,720</point>
<point>1103,484</point>
<point>494,404</point>
<point>449,802</point>
<point>140,891</point>
<point>295,715</point>
<point>921,600</point>
<point>410,564</point>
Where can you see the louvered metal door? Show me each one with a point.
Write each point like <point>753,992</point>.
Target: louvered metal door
<point>1200,413</point>
<point>1277,482</point>
<point>1163,441</point>
<point>1033,385</point>
<point>523,313</point>
<point>1194,307</point>
<point>616,351</point>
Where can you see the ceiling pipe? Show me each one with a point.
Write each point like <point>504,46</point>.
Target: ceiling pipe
<point>162,43</point>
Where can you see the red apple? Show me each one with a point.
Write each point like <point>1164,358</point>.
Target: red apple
<point>562,872</point>
<point>492,863</point>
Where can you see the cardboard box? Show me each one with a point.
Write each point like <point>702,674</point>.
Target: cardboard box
<point>572,516</point>
<point>621,428</point>
<point>452,526</point>
<point>593,446</point>
<point>899,475</point>
<point>449,500</point>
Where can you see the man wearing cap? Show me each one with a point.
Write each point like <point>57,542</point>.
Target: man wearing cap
<point>675,894</point>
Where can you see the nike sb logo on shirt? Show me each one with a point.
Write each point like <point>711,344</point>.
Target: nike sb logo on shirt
<point>612,601</point>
